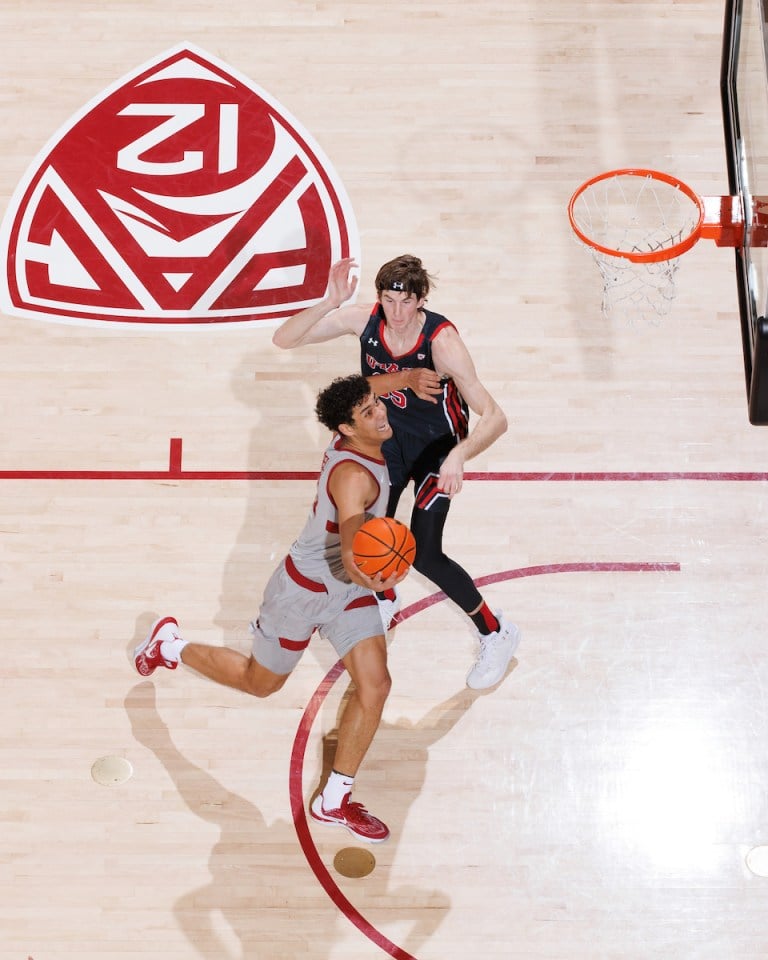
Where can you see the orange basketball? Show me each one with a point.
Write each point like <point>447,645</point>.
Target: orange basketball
<point>383,545</point>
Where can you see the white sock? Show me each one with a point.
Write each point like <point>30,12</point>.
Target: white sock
<point>336,788</point>
<point>170,650</point>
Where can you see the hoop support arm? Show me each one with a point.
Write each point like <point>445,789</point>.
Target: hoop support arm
<point>723,221</point>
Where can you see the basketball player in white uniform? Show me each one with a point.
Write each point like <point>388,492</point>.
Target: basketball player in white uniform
<point>318,587</point>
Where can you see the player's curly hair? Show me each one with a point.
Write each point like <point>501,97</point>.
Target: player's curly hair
<point>406,273</point>
<point>336,403</point>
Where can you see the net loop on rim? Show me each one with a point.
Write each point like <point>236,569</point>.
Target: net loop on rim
<point>637,223</point>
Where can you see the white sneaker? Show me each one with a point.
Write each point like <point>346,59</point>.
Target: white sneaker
<point>389,609</point>
<point>496,651</point>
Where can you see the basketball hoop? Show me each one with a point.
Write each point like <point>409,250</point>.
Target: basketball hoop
<point>637,224</point>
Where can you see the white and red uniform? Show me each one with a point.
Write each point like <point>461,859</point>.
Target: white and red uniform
<point>310,590</point>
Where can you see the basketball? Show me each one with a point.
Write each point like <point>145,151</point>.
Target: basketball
<point>383,545</point>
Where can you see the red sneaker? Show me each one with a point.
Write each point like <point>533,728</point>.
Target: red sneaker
<point>147,656</point>
<point>353,816</point>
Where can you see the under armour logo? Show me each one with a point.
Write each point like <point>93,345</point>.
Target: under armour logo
<point>374,343</point>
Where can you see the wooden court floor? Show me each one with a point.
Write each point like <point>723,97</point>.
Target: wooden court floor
<point>601,803</point>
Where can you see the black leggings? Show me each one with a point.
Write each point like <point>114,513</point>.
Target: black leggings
<point>409,460</point>
<point>435,565</point>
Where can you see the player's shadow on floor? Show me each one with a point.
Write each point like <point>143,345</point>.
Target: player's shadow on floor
<point>245,901</point>
<point>403,746</point>
<point>280,387</point>
<point>401,749</point>
<point>250,908</point>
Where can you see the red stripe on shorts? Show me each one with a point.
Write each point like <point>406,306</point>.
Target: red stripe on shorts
<point>294,644</point>
<point>366,601</point>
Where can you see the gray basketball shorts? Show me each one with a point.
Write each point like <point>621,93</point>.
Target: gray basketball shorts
<point>294,607</point>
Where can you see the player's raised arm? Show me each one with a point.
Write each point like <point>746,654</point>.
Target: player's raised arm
<point>326,319</point>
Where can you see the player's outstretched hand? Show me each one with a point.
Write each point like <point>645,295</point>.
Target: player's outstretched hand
<point>341,283</point>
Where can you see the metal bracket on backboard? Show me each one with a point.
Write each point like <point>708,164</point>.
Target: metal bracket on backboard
<point>723,221</point>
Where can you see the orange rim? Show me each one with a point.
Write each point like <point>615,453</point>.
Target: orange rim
<point>653,256</point>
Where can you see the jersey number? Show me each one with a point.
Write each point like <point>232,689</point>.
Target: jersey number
<point>397,397</point>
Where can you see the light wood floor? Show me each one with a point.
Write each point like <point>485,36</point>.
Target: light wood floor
<point>598,805</point>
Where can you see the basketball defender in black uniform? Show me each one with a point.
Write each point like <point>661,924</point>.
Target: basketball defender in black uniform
<point>418,364</point>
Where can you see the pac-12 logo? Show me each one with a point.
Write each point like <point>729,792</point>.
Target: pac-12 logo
<point>182,195</point>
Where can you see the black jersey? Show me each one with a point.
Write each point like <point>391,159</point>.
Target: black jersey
<point>407,412</point>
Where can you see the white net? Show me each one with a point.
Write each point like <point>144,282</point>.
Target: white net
<point>639,215</point>
<point>636,292</point>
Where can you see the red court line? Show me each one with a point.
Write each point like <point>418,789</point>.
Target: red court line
<point>631,476</point>
<point>660,566</point>
<point>158,475</point>
<point>295,776</point>
<point>175,471</point>
<point>302,828</point>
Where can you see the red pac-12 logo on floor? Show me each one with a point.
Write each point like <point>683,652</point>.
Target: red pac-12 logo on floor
<point>182,195</point>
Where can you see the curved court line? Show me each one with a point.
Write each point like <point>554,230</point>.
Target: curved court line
<point>295,776</point>
<point>175,471</point>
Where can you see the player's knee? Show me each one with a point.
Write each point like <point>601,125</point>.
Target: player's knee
<point>263,683</point>
<point>420,562</point>
<point>426,560</point>
<point>374,690</point>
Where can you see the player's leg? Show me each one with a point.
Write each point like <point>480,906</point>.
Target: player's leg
<point>233,669</point>
<point>165,647</point>
<point>281,634</point>
<point>430,511</point>
<point>366,663</point>
<point>498,637</point>
<point>432,561</point>
<point>398,466</point>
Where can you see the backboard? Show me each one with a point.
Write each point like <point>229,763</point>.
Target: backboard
<point>744,89</point>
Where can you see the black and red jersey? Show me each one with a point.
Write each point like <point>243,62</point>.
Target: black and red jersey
<point>407,412</point>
